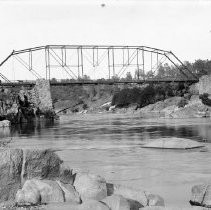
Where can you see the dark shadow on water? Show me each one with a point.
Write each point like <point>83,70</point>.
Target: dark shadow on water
<point>113,129</point>
<point>27,129</point>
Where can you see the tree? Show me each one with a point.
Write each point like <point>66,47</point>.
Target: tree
<point>116,78</point>
<point>53,80</point>
<point>139,74</point>
<point>128,76</point>
<point>200,67</point>
<point>161,71</point>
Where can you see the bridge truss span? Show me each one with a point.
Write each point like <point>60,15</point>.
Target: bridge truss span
<point>94,62</point>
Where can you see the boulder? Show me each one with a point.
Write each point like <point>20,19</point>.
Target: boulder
<point>134,196</point>
<point>155,200</point>
<point>5,123</point>
<point>191,110</point>
<point>43,164</point>
<point>117,202</point>
<point>201,195</point>
<point>50,191</point>
<point>173,143</point>
<point>70,194</point>
<point>93,205</point>
<point>60,206</point>
<point>194,89</point>
<point>169,110</point>
<point>90,186</point>
<point>66,176</point>
<point>160,105</point>
<point>36,192</point>
<point>172,208</point>
<point>7,205</point>
<point>10,176</point>
<point>29,195</point>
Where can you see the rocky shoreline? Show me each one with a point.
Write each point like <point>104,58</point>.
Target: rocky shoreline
<point>39,179</point>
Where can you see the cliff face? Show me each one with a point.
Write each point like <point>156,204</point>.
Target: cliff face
<point>24,105</point>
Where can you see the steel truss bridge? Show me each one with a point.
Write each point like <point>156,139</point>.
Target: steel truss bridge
<point>78,62</point>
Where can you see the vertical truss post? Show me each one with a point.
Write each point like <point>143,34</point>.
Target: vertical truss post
<point>64,56</point>
<point>137,64</point>
<point>123,57</point>
<point>143,64</point>
<point>157,60</point>
<point>78,63</point>
<point>97,57</point>
<point>113,62</point>
<point>93,56</point>
<point>151,61</point>
<point>82,65</point>
<point>30,60</point>
<point>47,63</point>
<point>128,56</point>
<point>109,70</point>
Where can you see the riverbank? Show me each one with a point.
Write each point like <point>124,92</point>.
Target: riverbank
<point>160,101</point>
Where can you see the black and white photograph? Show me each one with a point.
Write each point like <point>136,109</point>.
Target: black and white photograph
<point>105,104</point>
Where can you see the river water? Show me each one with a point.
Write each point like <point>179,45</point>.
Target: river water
<point>110,145</point>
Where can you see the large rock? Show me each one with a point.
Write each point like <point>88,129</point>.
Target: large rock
<point>117,202</point>
<point>66,175</point>
<point>160,105</point>
<point>173,143</point>
<point>191,110</point>
<point>10,176</point>
<point>5,123</point>
<point>154,200</point>
<point>93,205</point>
<point>39,192</point>
<point>90,186</point>
<point>136,197</point>
<point>44,164</point>
<point>18,165</point>
<point>70,194</point>
<point>201,195</point>
<point>172,208</point>
<point>60,206</point>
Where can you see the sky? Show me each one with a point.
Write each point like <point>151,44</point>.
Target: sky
<point>183,27</point>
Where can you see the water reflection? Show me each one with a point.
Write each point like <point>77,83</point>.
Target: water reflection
<point>110,128</point>
<point>33,128</point>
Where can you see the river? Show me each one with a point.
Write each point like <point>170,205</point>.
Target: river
<point>110,145</point>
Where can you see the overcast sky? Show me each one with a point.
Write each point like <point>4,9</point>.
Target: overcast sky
<point>183,27</point>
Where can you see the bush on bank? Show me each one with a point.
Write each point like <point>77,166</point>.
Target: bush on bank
<point>150,94</point>
<point>205,99</point>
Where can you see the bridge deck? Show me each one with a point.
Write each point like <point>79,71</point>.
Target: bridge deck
<point>31,84</point>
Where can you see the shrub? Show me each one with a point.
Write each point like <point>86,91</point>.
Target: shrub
<point>85,106</point>
<point>147,95</point>
<point>205,100</point>
<point>182,103</point>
